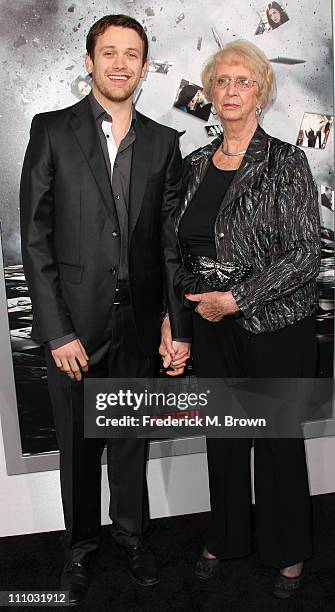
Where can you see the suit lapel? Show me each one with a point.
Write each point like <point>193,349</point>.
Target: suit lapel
<point>140,169</point>
<point>85,130</point>
<point>198,169</point>
<point>248,172</point>
<point>252,164</point>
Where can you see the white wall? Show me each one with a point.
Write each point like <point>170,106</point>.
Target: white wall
<point>31,503</point>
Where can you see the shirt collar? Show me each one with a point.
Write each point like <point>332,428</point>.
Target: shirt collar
<point>100,113</point>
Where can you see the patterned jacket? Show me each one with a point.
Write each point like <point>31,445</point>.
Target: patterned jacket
<point>269,220</point>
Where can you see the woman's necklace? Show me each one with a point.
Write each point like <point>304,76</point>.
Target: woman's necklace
<point>232,154</point>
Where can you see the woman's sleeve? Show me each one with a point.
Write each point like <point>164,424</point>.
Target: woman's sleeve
<point>184,281</point>
<point>299,257</point>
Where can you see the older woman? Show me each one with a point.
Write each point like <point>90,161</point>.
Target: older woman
<point>248,231</point>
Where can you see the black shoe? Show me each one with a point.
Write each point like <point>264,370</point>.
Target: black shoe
<point>206,568</point>
<point>285,587</point>
<point>141,564</point>
<point>75,578</point>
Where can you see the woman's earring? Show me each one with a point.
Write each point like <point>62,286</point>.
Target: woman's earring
<point>258,111</point>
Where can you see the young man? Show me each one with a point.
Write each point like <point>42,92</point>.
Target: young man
<point>99,185</point>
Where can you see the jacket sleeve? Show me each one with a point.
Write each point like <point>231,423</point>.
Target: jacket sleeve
<point>180,317</point>
<point>299,255</point>
<point>51,317</point>
<point>184,281</point>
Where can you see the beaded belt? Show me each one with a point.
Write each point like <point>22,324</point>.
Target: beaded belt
<point>216,275</point>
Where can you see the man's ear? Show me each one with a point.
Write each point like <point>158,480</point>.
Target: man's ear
<point>88,64</point>
<point>145,69</point>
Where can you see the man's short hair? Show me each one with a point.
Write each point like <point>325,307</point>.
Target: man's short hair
<point>122,21</point>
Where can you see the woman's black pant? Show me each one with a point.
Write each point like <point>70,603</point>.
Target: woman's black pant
<point>283,504</point>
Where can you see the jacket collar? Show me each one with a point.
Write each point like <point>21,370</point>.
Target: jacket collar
<point>256,150</point>
<point>85,129</point>
<point>247,173</point>
<point>100,112</point>
<point>140,168</point>
<point>252,166</point>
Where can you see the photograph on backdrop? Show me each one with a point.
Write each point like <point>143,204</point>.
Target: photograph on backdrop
<point>272,17</point>
<point>328,197</point>
<point>325,315</point>
<point>81,86</point>
<point>327,236</point>
<point>314,130</point>
<point>160,66</point>
<point>191,99</point>
<point>214,130</point>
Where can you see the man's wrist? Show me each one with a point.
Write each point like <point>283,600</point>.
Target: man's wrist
<point>165,319</point>
<point>58,342</point>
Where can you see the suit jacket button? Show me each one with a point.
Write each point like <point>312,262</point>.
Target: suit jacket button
<point>115,234</point>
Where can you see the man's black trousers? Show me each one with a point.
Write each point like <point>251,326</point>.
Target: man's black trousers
<point>80,458</point>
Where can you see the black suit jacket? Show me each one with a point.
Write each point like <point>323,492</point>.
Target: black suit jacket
<point>70,232</point>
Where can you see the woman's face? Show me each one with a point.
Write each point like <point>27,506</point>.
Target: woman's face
<point>274,15</point>
<point>231,103</point>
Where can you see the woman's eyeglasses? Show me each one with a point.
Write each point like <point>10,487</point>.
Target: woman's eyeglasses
<point>242,84</point>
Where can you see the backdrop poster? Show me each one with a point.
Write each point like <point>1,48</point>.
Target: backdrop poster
<point>42,68</point>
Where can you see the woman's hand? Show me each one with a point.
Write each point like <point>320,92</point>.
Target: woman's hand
<point>173,352</point>
<point>214,305</point>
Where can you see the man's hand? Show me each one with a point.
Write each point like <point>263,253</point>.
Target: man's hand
<point>182,352</point>
<point>215,305</point>
<point>173,352</point>
<point>70,357</point>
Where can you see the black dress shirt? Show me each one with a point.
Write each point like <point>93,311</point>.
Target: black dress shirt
<point>119,175</point>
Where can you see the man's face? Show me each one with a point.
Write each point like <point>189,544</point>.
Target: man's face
<point>117,67</point>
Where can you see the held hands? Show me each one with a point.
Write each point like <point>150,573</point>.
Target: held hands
<point>173,352</point>
<point>70,358</point>
<point>213,306</point>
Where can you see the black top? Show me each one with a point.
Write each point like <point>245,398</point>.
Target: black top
<point>196,230</point>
